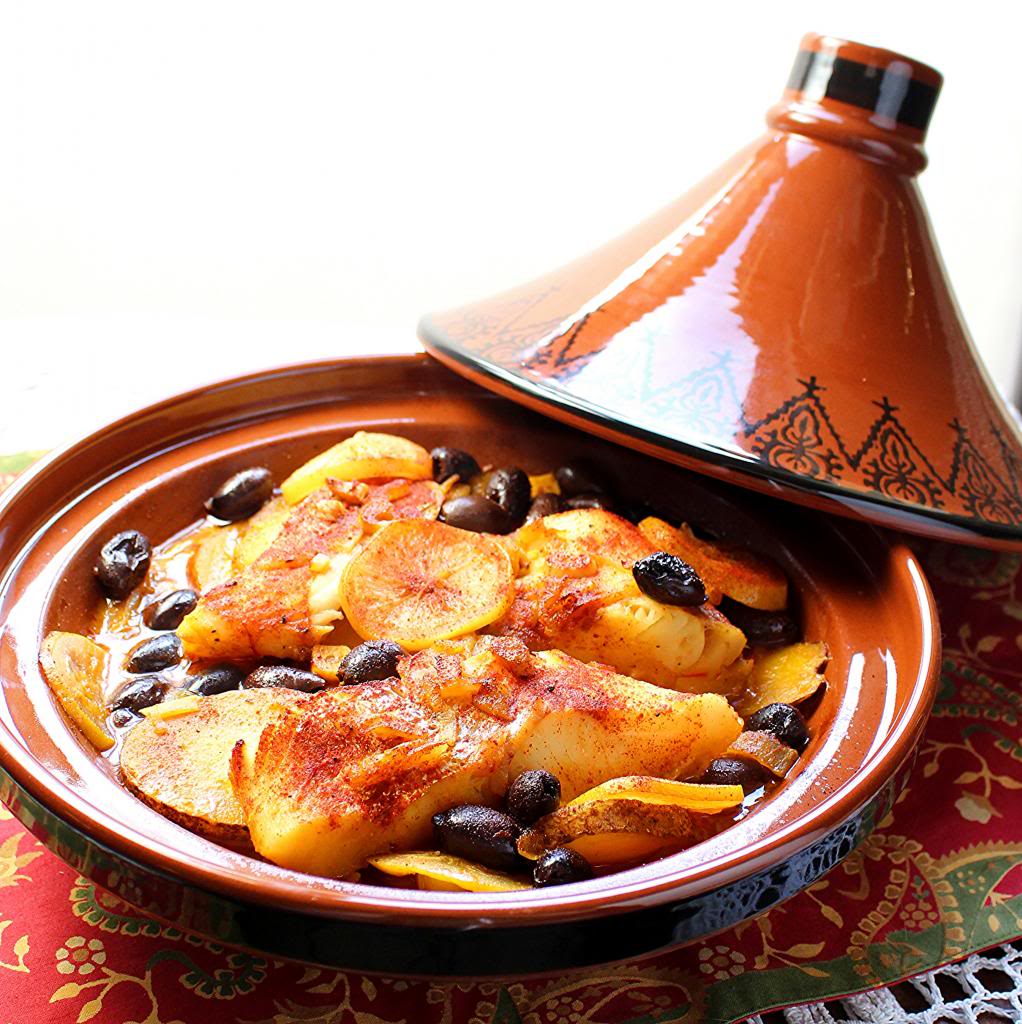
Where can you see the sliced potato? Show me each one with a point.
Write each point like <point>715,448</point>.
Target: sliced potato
<point>180,765</point>
<point>443,871</point>
<point>740,574</point>
<point>363,456</point>
<point>765,749</point>
<point>75,668</point>
<point>629,817</point>
<point>420,581</point>
<point>599,817</point>
<point>784,675</point>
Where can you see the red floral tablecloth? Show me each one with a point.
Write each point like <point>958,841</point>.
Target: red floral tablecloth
<point>940,878</point>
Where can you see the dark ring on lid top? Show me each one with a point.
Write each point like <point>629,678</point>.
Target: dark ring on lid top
<point>889,91</point>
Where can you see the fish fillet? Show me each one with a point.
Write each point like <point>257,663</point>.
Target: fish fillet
<point>575,592</point>
<point>357,771</point>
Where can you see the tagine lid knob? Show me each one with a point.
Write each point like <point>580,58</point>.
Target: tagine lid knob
<point>785,325</point>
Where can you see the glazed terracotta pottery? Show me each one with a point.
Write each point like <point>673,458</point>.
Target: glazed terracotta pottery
<point>786,324</point>
<point>864,594</point>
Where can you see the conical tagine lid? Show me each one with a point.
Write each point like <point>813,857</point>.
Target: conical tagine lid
<point>785,325</point>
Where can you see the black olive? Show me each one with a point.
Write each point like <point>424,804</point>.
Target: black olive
<point>155,653</point>
<point>284,675</point>
<point>139,694</point>
<point>218,679</point>
<point>168,611</point>
<point>591,500</point>
<point>733,771</point>
<point>580,477</point>
<point>509,487</point>
<point>448,462</point>
<point>784,721</point>
<point>123,562</point>
<point>241,495</point>
<point>667,579</point>
<point>479,834</point>
<point>762,629</point>
<point>532,795</point>
<point>476,513</point>
<point>374,659</point>
<point>561,866</point>
<point>544,505</point>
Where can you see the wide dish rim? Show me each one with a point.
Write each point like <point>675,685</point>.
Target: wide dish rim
<point>277,887</point>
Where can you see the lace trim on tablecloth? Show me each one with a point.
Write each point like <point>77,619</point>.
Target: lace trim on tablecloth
<point>985,988</point>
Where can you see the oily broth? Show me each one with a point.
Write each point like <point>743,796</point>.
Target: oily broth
<point>118,625</point>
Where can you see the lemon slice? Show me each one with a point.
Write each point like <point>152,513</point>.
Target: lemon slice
<point>617,847</point>
<point>693,796</point>
<point>419,581</point>
<point>443,871</point>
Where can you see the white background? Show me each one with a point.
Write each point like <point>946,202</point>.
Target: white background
<point>192,188</point>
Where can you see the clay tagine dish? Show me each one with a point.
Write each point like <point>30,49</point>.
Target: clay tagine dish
<point>125,728</point>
